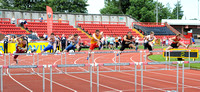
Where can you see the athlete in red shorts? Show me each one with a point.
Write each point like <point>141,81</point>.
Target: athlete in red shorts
<point>95,42</point>
<point>21,47</point>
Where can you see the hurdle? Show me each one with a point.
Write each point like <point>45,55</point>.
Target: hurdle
<point>71,65</point>
<point>22,66</point>
<point>142,70</point>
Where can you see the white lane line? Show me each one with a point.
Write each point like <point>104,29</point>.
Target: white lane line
<point>125,80</point>
<point>161,80</point>
<point>85,79</point>
<point>18,81</point>
<point>54,81</point>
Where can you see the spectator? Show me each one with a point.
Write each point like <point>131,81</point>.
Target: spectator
<point>13,20</point>
<point>21,22</point>
<point>59,20</point>
<point>13,39</point>
<point>5,41</point>
<point>63,42</point>
<point>26,38</point>
<point>45,36</point>
<point>57,42</point>
<point>116,42</point>
<point>164,41</point>
<point>112,40</point>
<point>68,42</point>
<point>25,22</point>
<point>41,19</point>
<point>137,41</point>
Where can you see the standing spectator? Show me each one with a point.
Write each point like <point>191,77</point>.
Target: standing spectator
<point>68,42</point>
<point>102,43</point>
<point>13,20</point>
<point>63,42</point>
<point>57,42</point>
<point>116,42</point>
<point>193,42</point>
<point>41,19</point>
<point>5,41</point>
<point>45,36</point>
<point>164,41</point>
<point>13,39</point>
<point>120,39</point>
<point>112,40</point>
<point>26,38</point>
<point>136,41</point>
<point>59,20</point>
<point>35,33</point>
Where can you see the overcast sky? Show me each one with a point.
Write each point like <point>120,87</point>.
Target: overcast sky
<point>190,7</point>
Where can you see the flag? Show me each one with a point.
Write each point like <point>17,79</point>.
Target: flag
<point>49,20</point>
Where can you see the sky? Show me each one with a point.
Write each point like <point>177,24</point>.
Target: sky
<point>190,7</point>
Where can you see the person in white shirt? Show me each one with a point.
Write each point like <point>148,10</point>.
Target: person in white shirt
<point>136,41</point>
<point>13,20</point>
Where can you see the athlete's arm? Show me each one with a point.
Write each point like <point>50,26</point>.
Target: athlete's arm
<point>71,38</point>
<point>172,39</point>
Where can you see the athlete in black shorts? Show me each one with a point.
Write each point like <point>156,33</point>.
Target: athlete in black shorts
<point>127,42</point>
<point>148,43</point>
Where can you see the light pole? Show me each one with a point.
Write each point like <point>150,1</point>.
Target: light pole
<point>177,9</point>
<point>157,12</point>
<point>198,9</point>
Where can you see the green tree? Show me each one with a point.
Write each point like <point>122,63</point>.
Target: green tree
<point>180,12</point>
<point>73,6</point>
<point>115,7</point>
<point>143,10</point>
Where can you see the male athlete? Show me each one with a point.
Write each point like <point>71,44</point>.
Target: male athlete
<point>95,42</point>
<point>74,43</point>
<point>128,42</point>
<point>148,42</point>
<point>21,47</point>
<point>176,42</point>
<point>52,43</point>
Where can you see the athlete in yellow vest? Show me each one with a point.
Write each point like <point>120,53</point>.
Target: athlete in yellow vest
<point>95,42</point>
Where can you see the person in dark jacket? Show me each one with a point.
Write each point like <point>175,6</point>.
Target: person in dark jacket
<point>63,42</point>
<point>5,41</point>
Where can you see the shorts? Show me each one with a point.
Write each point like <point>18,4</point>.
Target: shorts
<point>124,46</point>
<point>18,51</point>
<point>49,47</point>
<point>94,45</point>
<point>70,46</point>
<point>111,43</point>
<point>147,46</point>
<point>174,45</point>
<point>136,43</point>
<point>163,42</point>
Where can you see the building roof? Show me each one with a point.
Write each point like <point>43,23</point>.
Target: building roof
<point>181,22</point>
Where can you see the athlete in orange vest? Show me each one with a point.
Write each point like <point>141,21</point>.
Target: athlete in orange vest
<point>95,42</point>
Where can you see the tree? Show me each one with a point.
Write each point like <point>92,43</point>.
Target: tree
<point>116,6</point>
<point>180,12</point>
<point>73,6</point>
<point>143,10</point>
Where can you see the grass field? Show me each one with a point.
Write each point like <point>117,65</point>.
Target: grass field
<point>160,58</point>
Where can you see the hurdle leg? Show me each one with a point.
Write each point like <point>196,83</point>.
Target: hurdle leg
<point>90,78</point>
<point>115,59</point>
<point>145,58</point>
<point>135,77</point>
<point>93,61</point>
<point>1,79</point>
<point>50,78</point>
<point>61,61</point>
<point>141,77</point>
<point>189,59</point>
<point>177,67</point>
<point>183,67</point>
<point>43,78</point>
<point>97,78</point>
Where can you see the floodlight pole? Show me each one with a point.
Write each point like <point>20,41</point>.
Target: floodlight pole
<point>177,9</point>
<point>198,9</point>
<point>157,12</point>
